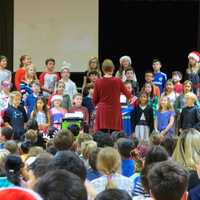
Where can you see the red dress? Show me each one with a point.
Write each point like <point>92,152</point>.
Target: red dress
<point>107,99</point>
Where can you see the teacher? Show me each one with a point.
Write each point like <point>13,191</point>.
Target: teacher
<point>106,98</point>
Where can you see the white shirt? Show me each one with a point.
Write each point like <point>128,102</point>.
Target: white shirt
<point>70,88</point>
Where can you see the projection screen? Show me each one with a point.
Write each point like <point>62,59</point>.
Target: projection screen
<point>66,30</point>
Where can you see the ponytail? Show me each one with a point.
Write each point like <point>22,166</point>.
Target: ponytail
<point>110,184</point>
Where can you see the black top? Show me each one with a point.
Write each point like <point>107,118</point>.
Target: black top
<point>190,118</point>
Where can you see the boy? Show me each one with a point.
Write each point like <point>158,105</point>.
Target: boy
<point>129,73</point>
<point>48,78</point>
<point>167,181</point>
<point>160,78</point>
<point>149,79</point>
<point>93,76</point>
<point>70,86</point>
<point>6,135</point>
<point>176,78</point>
<point>31,99</point>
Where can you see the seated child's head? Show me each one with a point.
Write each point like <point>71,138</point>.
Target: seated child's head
<point>87,147</point>
<point>57,100</point>
<point>117,135</point>
<point>125,146</point>
<point>77,100</point>
<point>15,98</point>
<point>31,135</point>
<point>93,159</point>
<point>190,98</point>
<point>74,128</point>
<point>35,86</point>
<point>149,76</point>
<point>169,144</point>
<point>129,86</point>
<point>176,76</point>
<point>25,146</point>
<point>93,76</point>
<point>103,139</point>
<point>156,64</point>
<point>6,133</point>
<point>32,124</point>
<point>187,86</point>
<point>12,147</point>
<point>156,139</point>
<point>129,73</point>
<point>83,137</point>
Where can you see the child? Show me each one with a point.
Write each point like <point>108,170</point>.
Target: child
<point>160,78</point>
<point>15,115</point>
<point>5,75</point>
<point>152,99</point>
<point>59,90</point>
<point>25,60</point>
<point>169,92</point>
<point>31,98</point>
<point>6,134</point>
<point>187,152</point>
<point>70,86</point>
<point>176,78</point>
<point>57,112</point>
<point>125,146</point>
<point>125,63</point>
<point>129,73</point>
<point>48,78</point>
<point>165,118</point>
<point>149,76</point>
<point>93,65</point>
<point>41,114</point>
<point>143,122</point>
<point>77,101</point>
<point>129,87</point>
<point>193,71</point>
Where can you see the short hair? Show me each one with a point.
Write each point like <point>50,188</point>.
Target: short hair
<point>61,185</point>
<point>31,135</point>
<point>68,160</point>
<point>11,146</point>
<point>156,60</point>
<point>117,135</point>
<point>3,57</point>
<point>169,144</point>
<point>34,151</point>
<point>125,146</point>
<point>149,72</point>
<point>49,60</point>
<point>129,69</point>
<point>12,95</point>
<point>63,140</point>
<point>25,146</point>
<point>93,72</point>
<point>7,133</point>
<point>177,73</point>
<point>93,159</point>
<point>103,139</point>
<point>113,194</point>
<point>32,124</point>
<point>167,180</point>
<point>77,95</point>
<point>83,137</point>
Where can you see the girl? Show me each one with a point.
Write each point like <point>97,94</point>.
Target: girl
<point>129,87</point>
<point>4,73</point>
<point>125,63</point>
<point>41,114</point>
<point>169,92</point>
<point>60,87</point>
<point>165,118</point>
<point>25,60</point>
<point>143,122</point>
<point>15,115</point>
<point>25,84</point>
<point>193,71</point>
<point>57,112</point>
<point>152,98</point>
<point>93,65</point>
<point>108,163</point>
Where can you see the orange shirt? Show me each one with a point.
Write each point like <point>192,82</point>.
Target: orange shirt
<point>156,91</point>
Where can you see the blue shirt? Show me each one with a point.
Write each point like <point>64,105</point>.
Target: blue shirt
<point>127,167</point>
<point>92,174</point>
<point>30,103</point>
<point>87,102</point>
<point>160,80</point>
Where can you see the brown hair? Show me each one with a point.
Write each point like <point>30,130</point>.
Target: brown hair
<point>169,106</point>
<point>22,58</point>
<point>44,108</point>
<point>31,135</point>
<point>50,60</point>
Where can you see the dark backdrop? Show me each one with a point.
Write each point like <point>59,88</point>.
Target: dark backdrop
<point>166,30</point>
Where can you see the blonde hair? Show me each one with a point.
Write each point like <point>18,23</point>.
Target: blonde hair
<point>12,95</point>
<point>77,95</point>
<point>3,155</point>
<point>108,162</point>
<point>34,78</point>
<point>31,135</point>
<point>169,105</point>
<point>34,151</point>
<point>87,148</point>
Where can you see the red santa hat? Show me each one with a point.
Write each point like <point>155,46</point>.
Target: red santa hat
<point>125,58</point>
<point>195,55</point>
<point>17,193</point>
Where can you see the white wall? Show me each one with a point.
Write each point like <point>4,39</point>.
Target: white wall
<point>62,29</point>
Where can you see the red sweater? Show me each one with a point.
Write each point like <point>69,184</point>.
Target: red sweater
<point>19,75</point>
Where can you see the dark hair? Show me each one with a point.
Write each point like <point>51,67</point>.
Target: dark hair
<point>156,60</point>
<point>61,185</point>
<point>125,146</point>
<point>44,107</point>
<point>149,72</point>
<point>25,146</point>
<point>155,154</point>
<point>93,158</point>
<point>74,128</point>
<point>13,165</point>
<point>68,160</point>
<point>152,89</point>
<point>49,60</point>
<point>32,124</point>
<point>3,57</point>
<point>93,72</point>
<point>117,135</point>
<point>167,180</point>
<point>169,144</point>
<point>113,194</point>
<point>63,140</point>
<point>103,139</point>
<point>7,133</point>
<point>129,69</point>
